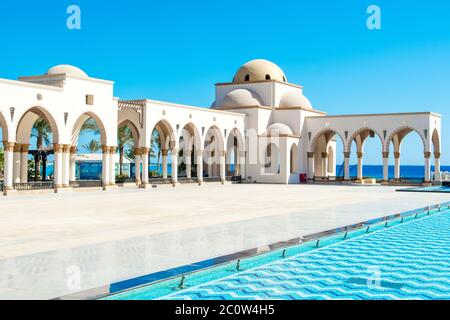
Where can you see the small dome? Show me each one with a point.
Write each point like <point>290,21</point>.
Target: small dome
<point>241,98</point>
<point>69,70</point>
<point>278,129</point>
<point>294,100</point>
<point>259,70</point>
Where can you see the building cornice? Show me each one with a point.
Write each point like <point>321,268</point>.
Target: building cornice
<point>245,107</point>
<point>301,108</point>
<point>380,115</point>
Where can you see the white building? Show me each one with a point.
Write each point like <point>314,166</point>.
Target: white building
<point>259,123</point>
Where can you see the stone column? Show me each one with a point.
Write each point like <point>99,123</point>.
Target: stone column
<point>66,165</point>
<point>437,162</point>
<point>385,166</point>
<point>241,162</point>
<point>222,166</point>
<point>310,165</point>
<point>427,156</point>
<point>347,166</point>
<point>58,166</point>
<point>325,164</point>
<point>16,162</point>
<point>164,163</point>
<point>174,166</point>
<point>8,166</point>
<point>24,163</point>
<point>188,160</point>
<point>199,156</point>
<point>73,163</point>
<point>105,167</point>
<point>397,165</point>
<point>360,165</point>
<point>144,157</point>
<point>137,165</point>
<point>112,166</point>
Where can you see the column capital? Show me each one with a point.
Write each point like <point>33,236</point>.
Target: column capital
<point>397,155</point>
<point>105,149</point>
<point>73,149</point>
<point>310,155</point>
<point>174,150</point>
<point>346,154</point>
<point>427,154</point>
<point>66,148</point>
<point>8,146</point>
<point>144,151</point>
<point>437,155</point>
<point>164,152</point>
<point>360,155</point>
<point>17,148</point>
<point>137,151</point>
<point>112,150</point>
<point>385,154</point>
<point>57,147</point>
<point>324,154</point>
<point>25,148</point>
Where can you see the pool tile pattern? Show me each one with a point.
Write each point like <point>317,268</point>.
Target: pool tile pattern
<point>407,261</point>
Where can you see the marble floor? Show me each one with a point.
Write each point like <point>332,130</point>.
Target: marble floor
<point>56,244</point>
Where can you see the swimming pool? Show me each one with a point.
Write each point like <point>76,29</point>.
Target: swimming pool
<point>438,189</point>
<point>408,258</point>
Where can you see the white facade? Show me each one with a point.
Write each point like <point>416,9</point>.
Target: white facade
<point>259,123</point>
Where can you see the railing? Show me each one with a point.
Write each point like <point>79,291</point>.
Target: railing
<point>86,183</point>
<point>34,185</point>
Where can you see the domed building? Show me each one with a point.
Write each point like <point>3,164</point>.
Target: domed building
<point>260,128</point>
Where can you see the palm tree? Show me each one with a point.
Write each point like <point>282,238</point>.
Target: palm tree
<point>124,140</point>
<point>90,125</point>
<point>93,146</point>
<point>42,132</point>
<point>156,145</point>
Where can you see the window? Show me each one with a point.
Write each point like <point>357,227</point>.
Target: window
<point>267,76</point>
<point>90,99</point>
<point>284,79</point>
<point>247,77</point>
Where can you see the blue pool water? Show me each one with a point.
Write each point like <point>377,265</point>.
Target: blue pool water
<point>436,189</point>
<point>407,260</point>
<point>376,171</point>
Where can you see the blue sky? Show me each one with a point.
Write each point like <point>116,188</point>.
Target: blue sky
<point>177,50</point>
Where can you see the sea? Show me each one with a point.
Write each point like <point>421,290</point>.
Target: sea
<point>376,171</point>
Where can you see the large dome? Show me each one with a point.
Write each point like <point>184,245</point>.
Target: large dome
<point>67,69</point>
<point>259,70</point>
<point>278,129</point>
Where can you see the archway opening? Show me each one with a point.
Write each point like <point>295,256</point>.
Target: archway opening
<point>86,151</point>
<point>406,145</point>
<point>160,155</point>
<point>33,158</point>
<point>294,158</point>
<point>213,152</point>
<point>189,143</point>
<point>272,159</point>
<point>328,156</point>
<point>235,154</point>
<point>367,146</point>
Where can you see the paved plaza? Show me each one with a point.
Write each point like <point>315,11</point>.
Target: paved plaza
<point>127,232</point>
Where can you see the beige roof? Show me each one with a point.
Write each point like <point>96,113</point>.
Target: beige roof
<point>259,69</point>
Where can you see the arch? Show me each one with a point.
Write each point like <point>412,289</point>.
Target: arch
<point>214,146</point>
<point>401,133</point>
<point>272,159</point>
<point>166,134</point>
<point>134,130</point>
<point>329,133</point>
<point>235,148</point>
<point>81,119</point>
<point>364,132</point>
<point>4,128</point>
<point>294,158</point>
<point>27,120</point>
<point>239,136</point>
<point>191,130</point>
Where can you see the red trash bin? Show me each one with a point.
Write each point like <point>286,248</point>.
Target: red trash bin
<point>303,178</point>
